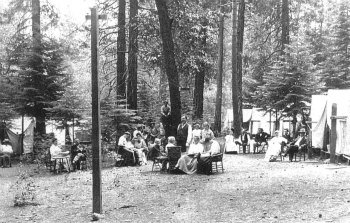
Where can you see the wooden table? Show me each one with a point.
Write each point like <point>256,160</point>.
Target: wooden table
<point>60,160</point>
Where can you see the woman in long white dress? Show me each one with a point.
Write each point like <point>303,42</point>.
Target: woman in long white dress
<point>230,143</point>
<point>188,163</point>
<point>275,146</point>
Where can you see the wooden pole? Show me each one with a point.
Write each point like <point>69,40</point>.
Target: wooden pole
<point>333,140</point>
<point>96,131</point>
<point>22,135</point>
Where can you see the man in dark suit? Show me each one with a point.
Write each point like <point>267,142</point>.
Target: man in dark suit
<point>184,134</point>
<point>297,145</point>
<point>260,140</point>
<point>245,140</point>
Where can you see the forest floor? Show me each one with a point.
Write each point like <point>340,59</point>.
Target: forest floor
<point>249,190</point>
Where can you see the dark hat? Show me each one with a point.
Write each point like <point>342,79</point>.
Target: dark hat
<point>128,133</point>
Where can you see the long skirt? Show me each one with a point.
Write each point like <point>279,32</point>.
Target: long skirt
<point>273,152</point>
<point>187,164</point>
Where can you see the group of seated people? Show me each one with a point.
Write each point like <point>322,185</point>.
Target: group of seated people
<point>5,153</point>
<point>76,155</point>
<point>285,144</point>
<point>276,145</point>
<point>258,143</point>
<point>198,156</point>
<point>140,149</point>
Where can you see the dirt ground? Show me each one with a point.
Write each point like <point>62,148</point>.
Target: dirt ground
<point>249,190</point>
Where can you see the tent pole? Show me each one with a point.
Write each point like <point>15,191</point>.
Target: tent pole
<point>73,131</point>
<point>333,141</point>
<point>22,135</point>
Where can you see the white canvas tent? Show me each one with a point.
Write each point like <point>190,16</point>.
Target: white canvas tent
<point>256,118</point>
<point>321,111</point>
<point>14,133</point>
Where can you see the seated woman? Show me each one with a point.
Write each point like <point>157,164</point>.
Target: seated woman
<point>196,131</point>
<point>171,142</point>
<point>275,146</point>
<point>188,162</point>
<point>5,153</point>
<point>140,147</point>
<point>206,132</point>
<point>56,151</point>
<point>211,147</point>
<point>155,149</point>
<point>231,144</point>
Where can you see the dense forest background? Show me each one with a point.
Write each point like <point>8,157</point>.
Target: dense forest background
<point>275,55</point>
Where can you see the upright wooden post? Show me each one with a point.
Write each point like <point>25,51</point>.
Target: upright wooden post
<point>96,131</point>
<point>333,141</point>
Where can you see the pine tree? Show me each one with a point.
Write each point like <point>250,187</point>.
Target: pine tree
<point>334,71</point>
<point>289,83</point>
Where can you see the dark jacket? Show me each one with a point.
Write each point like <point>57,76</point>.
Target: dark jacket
<point>261,137</point>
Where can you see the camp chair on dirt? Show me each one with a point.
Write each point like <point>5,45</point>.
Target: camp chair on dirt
<point>156,156</point>
<point>174,154</point>
<point>50,164</point>
<point>5,160</point>
<point>216,160</point>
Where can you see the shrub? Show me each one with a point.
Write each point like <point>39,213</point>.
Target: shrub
<point>24,190</point>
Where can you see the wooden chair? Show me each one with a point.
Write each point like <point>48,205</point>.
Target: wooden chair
<point>174,154</point>
<point>6,160</point>
<point>216,160</point>
<point>301,152</point>
<point>247,149</point>
<point>158,161</point>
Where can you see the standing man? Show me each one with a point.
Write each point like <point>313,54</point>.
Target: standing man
<point>184,134</point>
<point>165,111</point>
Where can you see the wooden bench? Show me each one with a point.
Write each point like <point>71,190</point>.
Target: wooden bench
<point>347,157</point>
<point>327,154</point>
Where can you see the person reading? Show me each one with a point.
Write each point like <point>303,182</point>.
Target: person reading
<point>188,162</point>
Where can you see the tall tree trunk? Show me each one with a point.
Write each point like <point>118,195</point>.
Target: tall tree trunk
<point>198,94</point>
<point>40,113</point>
<point>285,25</point>
<point>199,77</point>
<point>132,59</point>
<point>163,82</point>
<point>235,88</point>
<point>218,104</point>
<point>121,47</point>
<point>240,39</point>
<point>169,61</point>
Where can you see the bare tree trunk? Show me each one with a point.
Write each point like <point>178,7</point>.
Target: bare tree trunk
<point>132,57</point>
<point>218,104</point>
<point>40,114</point>
<point>162,83</point>
<point>198,95</point>
<point>285,24</point>
<point>199,78</point>
<point>240,39</point>
<point>121,47</point>
<point>169,61</point>
<point>235,88</point>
